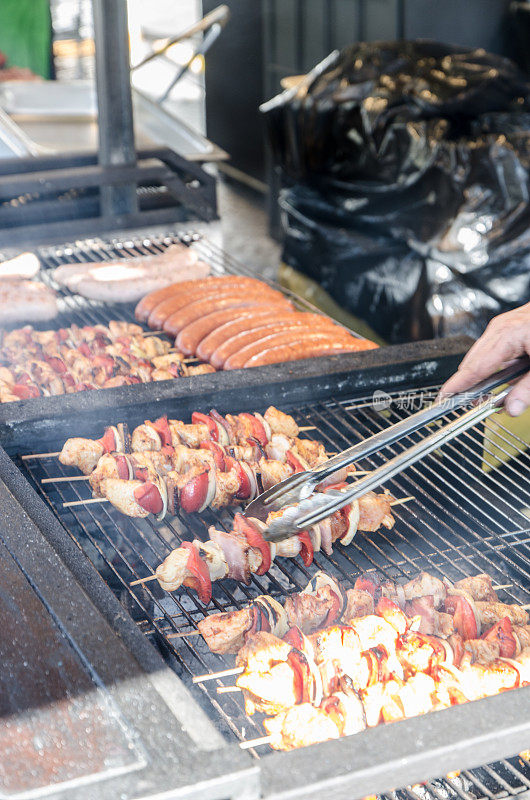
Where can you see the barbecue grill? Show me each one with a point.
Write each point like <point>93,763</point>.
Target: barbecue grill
<point>465,517</point>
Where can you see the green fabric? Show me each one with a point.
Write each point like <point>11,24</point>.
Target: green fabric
<point>25,34</point>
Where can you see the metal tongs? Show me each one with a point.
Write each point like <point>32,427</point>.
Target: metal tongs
<point>305,507</point>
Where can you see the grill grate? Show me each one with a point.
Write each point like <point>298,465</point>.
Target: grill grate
<point>463,520</point>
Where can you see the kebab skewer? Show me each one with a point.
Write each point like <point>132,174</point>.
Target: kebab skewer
<point>76,359</point>
<point>324,602</point>
<point>275,431</point>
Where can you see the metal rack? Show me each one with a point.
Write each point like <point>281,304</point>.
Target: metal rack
<point>463,520</point>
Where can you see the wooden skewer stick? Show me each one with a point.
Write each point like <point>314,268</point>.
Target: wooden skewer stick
<point>86,502</point>
<point>182,634</point>
<point>66,479</point>
<point>40,455</point>
<point>502,586</point>
<point>308,428</point>
<point>227,689</point>
<point>255,742</point>
<point>143,580</point>
<point>211,676</point>
<point>526,606</point>
<point>152,333</point>
<point>401,500</point>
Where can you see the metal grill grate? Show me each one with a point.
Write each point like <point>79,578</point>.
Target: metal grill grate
<point>463,520</point>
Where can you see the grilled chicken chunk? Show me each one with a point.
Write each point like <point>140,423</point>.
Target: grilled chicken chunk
<point>375,511</point>
<point>81,453</point>
<point>280,422</point>
<point>121,494</point>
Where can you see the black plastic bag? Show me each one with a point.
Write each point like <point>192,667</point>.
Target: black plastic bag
<point>409,168</point>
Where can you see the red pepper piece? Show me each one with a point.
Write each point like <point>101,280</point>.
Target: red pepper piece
<point>502,632</point>
<point>108,441</point>
<point>341,485</point>
<point>307,548</point>
<point>24,392</point>
<point>148,496</point>
<point>255,539</point>
<point>56,363</point>
<point>293,462</point>
<point>294,637</point>
<point>463,616</point>
<point>334,612</point>
<point>258,431</point>
<point>217,451</point>
<point>122,466</point>
<point>161,426</point>
<point>301,674</point>
<point>141,473</point>
<point>203,419</point>
<point>200,577</point>
<point>193,494</point>
<point>84,349</point>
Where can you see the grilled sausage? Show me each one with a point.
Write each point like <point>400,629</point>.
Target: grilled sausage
<point>222,285</point>
<point>241,320</point>
<point>304,321</point>
<point>192,335</point>
<point>199,308</point>
<point>183,288</point>
<point>310,348</point>
<point>293,336</point>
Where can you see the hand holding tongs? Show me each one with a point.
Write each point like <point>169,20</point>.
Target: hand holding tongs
<point>312,507</point>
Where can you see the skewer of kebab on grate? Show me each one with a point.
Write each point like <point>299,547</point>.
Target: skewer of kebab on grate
<point>380,660</point>
<point>324,602</point>
<point>80,359</point>
<point>228,431</point>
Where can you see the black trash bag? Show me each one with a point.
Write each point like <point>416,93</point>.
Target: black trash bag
<point>373,275</point>
<point>377,111</point>
<point>411,170</point>
<point>402,293</point>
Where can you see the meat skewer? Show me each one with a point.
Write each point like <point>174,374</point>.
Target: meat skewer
<point>227,431</point>
<point>79,359</point>
<point>243,551</point>
<point>324,602</point>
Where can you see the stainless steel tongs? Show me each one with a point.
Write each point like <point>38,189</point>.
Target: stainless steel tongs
<point>304,507</point>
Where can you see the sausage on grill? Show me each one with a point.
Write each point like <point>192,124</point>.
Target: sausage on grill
<point>199,308</point>
<point>309,348</point>
<point>291,337</point>
<point>192,335</point>
<point>183,288</point>
<point>300,321</point>
<point>233,284</point>
<point>241,320</point>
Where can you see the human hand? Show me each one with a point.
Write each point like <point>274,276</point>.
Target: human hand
<point>506,338</point>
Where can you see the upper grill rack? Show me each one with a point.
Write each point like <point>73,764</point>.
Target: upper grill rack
<point>463,520</point>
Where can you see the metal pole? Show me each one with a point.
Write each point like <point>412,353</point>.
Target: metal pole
<point>116,133</point>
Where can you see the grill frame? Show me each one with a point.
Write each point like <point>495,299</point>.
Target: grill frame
<point>347,768</point>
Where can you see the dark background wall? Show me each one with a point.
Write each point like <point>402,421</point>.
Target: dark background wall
<point>268,40</point>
